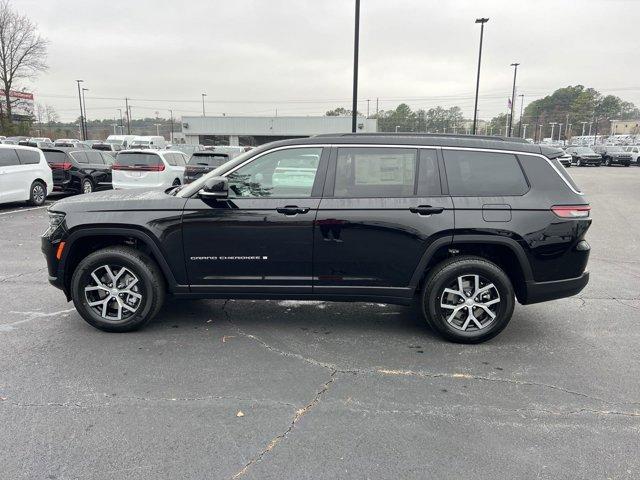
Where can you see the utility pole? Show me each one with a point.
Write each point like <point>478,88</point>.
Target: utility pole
<point>128,112</point>
<point>121,122</point>
<point>481,21</point>
<point>521,110</point>
<point>368,107</point>
<point>356,47</point>
<point>81,110</point>
<point>377,107</point>
<point>171,122</point>
<point>84,105</point>
<point>513,96</point>
<point>203,95</point>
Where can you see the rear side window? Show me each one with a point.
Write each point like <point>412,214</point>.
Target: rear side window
<point>55,156</point>
<point>28,157</point>
<point>8,157</point>
<point>80,157</point>
<point>375,172</point>
<point>138,159</point>
<point>483,174</point>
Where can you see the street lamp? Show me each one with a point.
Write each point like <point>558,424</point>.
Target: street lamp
<point>171,121</point>
<point>553,126</point>
<point>513,96</point>
<point>559,131</point>
<point>203,95</point>
<point>84,105</point>
<point>81,111</point>
<point>356,47</point>
<point>121,122</point>
<point>521,110</point>
<point>481,21</point>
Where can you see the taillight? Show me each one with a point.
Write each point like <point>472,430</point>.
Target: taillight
<point>571,211</point>
<point>60,166</point>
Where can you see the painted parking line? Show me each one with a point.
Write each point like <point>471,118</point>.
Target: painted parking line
<point>23,210</point>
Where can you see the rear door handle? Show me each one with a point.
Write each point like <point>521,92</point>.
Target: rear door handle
<point>291,210</point>
<point>426,210</point>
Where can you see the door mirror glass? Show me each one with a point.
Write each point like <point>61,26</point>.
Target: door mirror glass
<point>215,187</point>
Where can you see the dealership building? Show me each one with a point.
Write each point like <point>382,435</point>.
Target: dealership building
<point>258,130</point>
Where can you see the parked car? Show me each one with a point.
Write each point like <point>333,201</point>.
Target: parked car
<point>79,171</point>
<point>41,139</point>
<point>122,140</point>
<point>69,143</point>
<point>151,142</point>
<point>148,169</point>
<point>111,148</point>
<point>232,151</point>
<point>14,140</point>
<point>347,218</point>
<point>24,175</point>
<point>32,142</point>
<point>583,156</point>
<point>203,162</point>
<point>565,159</point>
<point>613,155</point>
<point>634,150</point>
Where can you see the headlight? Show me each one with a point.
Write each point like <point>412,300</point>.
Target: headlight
<point>55,220</point>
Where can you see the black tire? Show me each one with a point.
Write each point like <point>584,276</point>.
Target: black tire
<point>176,183</point>
<point>579,163</point>
<point>37,193</point>
<point>447,273</point>
<point>87,186</point>
<point>151,288</point>
<point>607,163</point>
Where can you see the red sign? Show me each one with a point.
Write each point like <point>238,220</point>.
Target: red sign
<point>16,94</point>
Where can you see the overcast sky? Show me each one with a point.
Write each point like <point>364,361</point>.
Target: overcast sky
<point>253,56</point>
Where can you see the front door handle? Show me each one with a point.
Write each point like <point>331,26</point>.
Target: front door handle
<point>426,210</point>
<point>291,210</point>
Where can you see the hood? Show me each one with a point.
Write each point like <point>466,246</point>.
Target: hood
<point>119,200</point>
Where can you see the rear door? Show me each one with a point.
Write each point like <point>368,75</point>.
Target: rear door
<point>381,209</point>
<point>99,171</point>
<point>260,240</point>
<point>12,184</point>
<point>138,169</point>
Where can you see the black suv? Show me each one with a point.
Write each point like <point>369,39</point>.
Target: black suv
<point>79,171</point>
<point>582,156</point>
<point>613,155</point>
<point>201,163</point>
<point>462,225</point>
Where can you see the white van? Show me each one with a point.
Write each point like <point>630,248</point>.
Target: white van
<point>123,140</point>
<point>153,142</point>
<point>146,168</point>
<point>25,175</point>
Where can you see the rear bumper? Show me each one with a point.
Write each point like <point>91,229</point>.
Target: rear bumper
<point>544,291</point>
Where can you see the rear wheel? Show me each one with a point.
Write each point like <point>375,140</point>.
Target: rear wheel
<point>87,185</point>
<point>117,289</point>
<point>468,299</point>
<point>38,193</point>
<point>579,163</point>
<point>607,162</point>
<point>176,183</point>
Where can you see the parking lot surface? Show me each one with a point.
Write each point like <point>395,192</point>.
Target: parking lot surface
<point>282,389</point>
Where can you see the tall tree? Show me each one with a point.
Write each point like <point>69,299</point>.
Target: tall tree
<point>23,51</point>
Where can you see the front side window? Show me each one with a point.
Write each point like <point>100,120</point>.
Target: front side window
<point>284,173</point>
<point>8,157</point>
<point>375,172</point>
<point>488,174</point>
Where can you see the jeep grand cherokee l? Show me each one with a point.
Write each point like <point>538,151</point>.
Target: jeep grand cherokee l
<point>463,226</point>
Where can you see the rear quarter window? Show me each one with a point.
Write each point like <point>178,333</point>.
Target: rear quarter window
<point>484,174</point>
<point>28,157</point>
<point>564,174</point>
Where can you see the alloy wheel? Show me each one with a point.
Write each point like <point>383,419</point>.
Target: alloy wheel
<point>38,193</point>
<point>113,293</point>
<point>87,187</point>
<point>470,303</point>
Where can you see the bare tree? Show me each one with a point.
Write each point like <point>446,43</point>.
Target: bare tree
<point>23,52</point>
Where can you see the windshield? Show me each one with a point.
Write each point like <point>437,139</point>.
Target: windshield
<point>193,187</point>
<point>584,150</point>
<point>137,159</point>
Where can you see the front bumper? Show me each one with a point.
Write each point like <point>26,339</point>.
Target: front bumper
<point>544,291</point>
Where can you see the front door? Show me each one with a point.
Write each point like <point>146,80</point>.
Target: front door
<point>382,208</point>
<point>260,239</point>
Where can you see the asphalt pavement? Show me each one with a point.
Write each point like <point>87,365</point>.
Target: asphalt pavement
<point>309,390</point>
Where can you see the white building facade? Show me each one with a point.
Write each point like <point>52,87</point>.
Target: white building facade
<point>254,131</point>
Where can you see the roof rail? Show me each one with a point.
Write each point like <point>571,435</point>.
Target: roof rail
<point>428,135</point>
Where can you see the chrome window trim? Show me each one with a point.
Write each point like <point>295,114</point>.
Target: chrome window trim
<point>380,145</point>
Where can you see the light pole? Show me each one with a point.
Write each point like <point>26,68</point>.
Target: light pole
<point>171,121</point>
<point>513,96</point>
<point>553,126</point>
<point>584,124</point>
<point>356,47</point>
<point>84,105</point>
<point>157,128</point>
<point>567,131</point>
<point>540,134</point>
<point>521,110</point>
<point>481,21</point>
<point>524,130</point>
<point>559,131</point>
<point>368,107</point>
<point>397,127</point>
<point>203,95</point>
<point>121,122</point>
<point>128,112</point>
<point>81,110</point>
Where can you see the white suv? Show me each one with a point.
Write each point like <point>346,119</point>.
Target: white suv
<point>634,150</point>
<point>148,169</point>
<point>24,175</point>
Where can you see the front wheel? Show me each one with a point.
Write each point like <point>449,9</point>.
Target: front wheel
<point>468,299</point>
<point>607,163</point>
<point>117,289</point>
<point>87,185</point>
<point>579,163</point>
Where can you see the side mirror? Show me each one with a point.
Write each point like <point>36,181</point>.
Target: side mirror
<point>215,187</point>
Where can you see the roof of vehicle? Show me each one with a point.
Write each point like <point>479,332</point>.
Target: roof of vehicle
<point>442,140</point>
<point>149,150</point>
<point>21,147</point>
